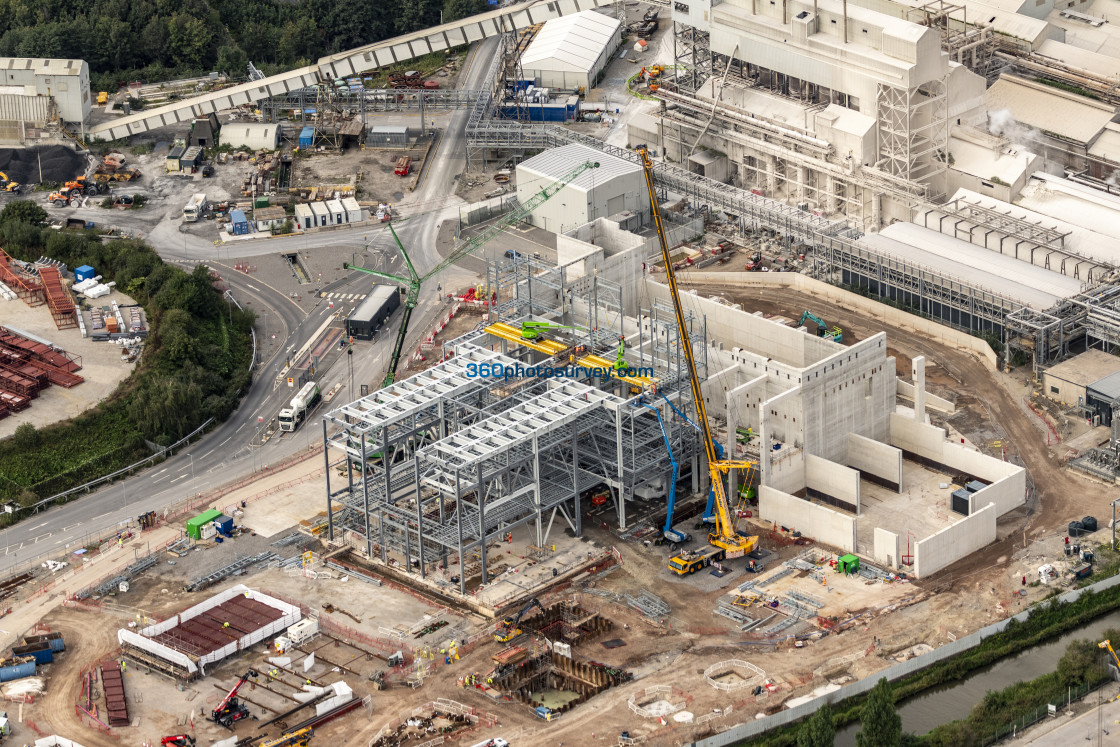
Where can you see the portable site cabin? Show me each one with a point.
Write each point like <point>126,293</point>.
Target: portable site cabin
<point>270,217</point>
<point>85,272</point>
<point>353,209</point>
<point>305,217</point>
<point>205,519</point>
<point>336,211</point>
<point>322,215</point>
<point>847,564</point>
<point>173,157</point>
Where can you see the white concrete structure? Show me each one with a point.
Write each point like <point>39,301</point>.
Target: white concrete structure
<point>571,52</point>
<point>614,187</point>
<point>250,135</point>
<point>65,82</point>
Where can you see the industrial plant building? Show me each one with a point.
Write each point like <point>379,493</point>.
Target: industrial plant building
<point>378,306</point>
<point>571,52</point>
<point>35,93</point>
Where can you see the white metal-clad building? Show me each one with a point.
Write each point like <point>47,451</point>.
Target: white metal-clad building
<point>65,81</point>
<point>615,186</point>
<point>322,215</point>
<point>251,135</point>
<point>1029,284</point>
<point>572,51</point>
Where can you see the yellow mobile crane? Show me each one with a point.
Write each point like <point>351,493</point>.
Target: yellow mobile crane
<point>1108,645</point>
<point>726,538</point>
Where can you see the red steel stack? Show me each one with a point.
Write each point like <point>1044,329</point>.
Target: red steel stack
<point>27,288</point>
<point>58,365</point>
<point>218,627</point>
<point>112,681</point>
<point>58,298</point>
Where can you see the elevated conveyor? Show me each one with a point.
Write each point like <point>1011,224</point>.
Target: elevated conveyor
<point>346,64</point>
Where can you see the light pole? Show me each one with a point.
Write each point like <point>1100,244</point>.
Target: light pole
<point>192,464</point>
<point>1114,523</point>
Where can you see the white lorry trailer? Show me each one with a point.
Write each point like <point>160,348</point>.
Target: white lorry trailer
<point>301,404</point>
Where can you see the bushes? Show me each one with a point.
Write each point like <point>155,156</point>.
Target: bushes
<point>194,367</point>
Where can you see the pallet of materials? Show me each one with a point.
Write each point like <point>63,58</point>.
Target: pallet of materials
<point>116,702</point>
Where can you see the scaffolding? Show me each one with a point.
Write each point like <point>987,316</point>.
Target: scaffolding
<point>438,465</point>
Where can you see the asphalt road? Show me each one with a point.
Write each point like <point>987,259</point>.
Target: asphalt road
<point>225,453</point>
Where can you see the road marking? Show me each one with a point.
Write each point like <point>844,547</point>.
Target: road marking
<point>161,471</point>
<point>180,477</point>
<point>67,529</point>
<point>258,290</point>
<point>223,443</point>
<point>160,479</point>
<point>237,431</point>
<point>40,525</point>
<point>209,452</point>
<point>102,516</point>
<point>58,541</point>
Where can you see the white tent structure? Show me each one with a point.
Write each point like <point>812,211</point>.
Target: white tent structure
<point>571,51</point>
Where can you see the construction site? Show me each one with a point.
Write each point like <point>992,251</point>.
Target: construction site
<point>766,356</point>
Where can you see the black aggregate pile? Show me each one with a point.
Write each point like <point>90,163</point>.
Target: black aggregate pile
<point>59,163</point>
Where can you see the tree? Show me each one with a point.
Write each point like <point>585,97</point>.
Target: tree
<point>453,10</point>
<point>23,211</point>
<point>26,437</point>
<point>882,726</point>
<point>189,39</point>
<point>818,731</point>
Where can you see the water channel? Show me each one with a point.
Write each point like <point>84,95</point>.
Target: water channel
<point>941,705</point>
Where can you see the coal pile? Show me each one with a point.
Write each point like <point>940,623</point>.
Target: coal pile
<point>59,163</point>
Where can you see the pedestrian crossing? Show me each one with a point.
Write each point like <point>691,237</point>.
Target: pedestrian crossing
<point>346,296</point>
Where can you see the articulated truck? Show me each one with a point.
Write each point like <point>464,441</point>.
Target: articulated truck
<point>301,404</point>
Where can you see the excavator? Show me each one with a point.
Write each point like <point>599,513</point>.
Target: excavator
<point>725,539</point>
<point>835,333</point>
<point>1108,645</point>
<point>414,280</point>
<point>653,75</point>
<point>7,185</point>
<point>231,710</point>
<point>510,628</point>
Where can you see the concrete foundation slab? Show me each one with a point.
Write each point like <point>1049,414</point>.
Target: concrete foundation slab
<point>921,509</point>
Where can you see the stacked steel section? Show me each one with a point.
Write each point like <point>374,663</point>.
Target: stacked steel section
<point>219,626</point>
<point>58,365</point>
<point>116,702</point>
<point>26,286</point>
<point>61,304</point>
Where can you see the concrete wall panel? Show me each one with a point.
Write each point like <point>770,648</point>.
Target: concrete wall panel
<point>906,389</point>
<point>820,523</point>
<point>833,480</point>
<point>875,459</point>
<point>886,548</point>
<point>926,441</point>
<point>952,543</point>
<point>1006,494</point>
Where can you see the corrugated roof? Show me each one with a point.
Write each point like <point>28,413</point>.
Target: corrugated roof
<point>1107,144</point>
<point>43,66</point>
<point>1108,387</point>
<point>1046,108</point>
<point>571,43</point>
<point>1104,65</point>
<point>554,163</point>
<point>1034,286</point>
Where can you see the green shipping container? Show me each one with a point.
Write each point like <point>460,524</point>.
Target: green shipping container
<point>194,526</point>
<point>260,202</point>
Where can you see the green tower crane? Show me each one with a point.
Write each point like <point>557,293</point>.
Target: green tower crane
<point>415,280</point>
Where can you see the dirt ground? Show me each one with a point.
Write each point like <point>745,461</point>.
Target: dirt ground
<point>102,367</point>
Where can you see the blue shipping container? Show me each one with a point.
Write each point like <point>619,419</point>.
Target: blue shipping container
<point>238,224</point>
<point>539,112</point>
<point>54,639</point>
<point>307,137</point>
<point>83,273</point>
<point>17,671</point>
<point>41,655</point>
<point>225,524</point>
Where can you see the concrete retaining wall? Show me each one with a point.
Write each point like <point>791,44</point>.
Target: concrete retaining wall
<point>877,461</point>
<point>833,480</point>
<point>820,523</point>
<point>906,389</point>
<point>1007,487</point>
<point>955,542</point>
<point>886,547</point>
<point>858,304</point>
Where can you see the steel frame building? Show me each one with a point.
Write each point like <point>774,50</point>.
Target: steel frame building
<point>442,462</point>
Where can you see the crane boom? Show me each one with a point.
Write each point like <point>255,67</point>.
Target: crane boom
<point>725,536</point>
<point>414,280</point>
